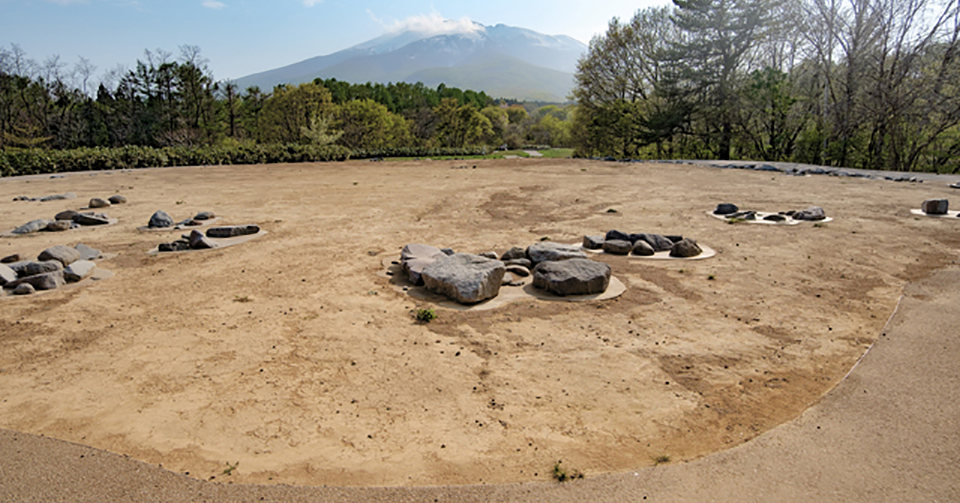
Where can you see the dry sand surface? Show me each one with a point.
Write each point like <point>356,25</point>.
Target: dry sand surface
<point>290,358</point>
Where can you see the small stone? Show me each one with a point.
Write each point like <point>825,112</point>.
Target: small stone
<point>520,261</point>
<point>7,275</point>
<point>594,242</point>
<point>160,220</point>
<point>514,253</point>
<point>673,237</point>
<point>98,203</point>
<point>492,255</point>
<point>78,270</point>
<point>813,213</point>
<point>204,215</point>
<point>31,227</point>
<point>87,253</point>
<point>232,231</point>
<point>67,215</point>
<point>615,234</point>
<point>58,197</point>
<point>9,259</point>
<point>643,249</point>
<point>30,268</point>
<point>47,281</point>
<point>725,209</point>
<point>511,280</point>
<point>63,254</point>
<point>117,199</point>
<point>686,249</point>
<point>190,223</point>
<point>178,245</point>
<point>200,242</point>
<point>447,251</point>
<point>775,218</point>
<point>742,215</point>
<point>518,270</point>
<point>24,289</point>
<point>92,219</point>
<point>617,246</point>
<point>935,206</point>
<point>656,241</point>
<point>59,226</point>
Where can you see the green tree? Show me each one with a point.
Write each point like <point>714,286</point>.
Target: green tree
<point>460,125</point>
<point>370,125</point>
<point>289,110</point>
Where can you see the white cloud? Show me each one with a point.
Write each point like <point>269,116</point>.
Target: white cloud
<point>213,4</point>
<point>430,24</point>
<point>311,3</point>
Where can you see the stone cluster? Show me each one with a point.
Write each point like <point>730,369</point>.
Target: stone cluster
<point>54,267</point>
<point>732,212</point>
<point>469,278</point>
<point>196,240</point>
<point>64,220</point>
<point>162,220</point>
<point>617,242</point>
<point>52,197</point>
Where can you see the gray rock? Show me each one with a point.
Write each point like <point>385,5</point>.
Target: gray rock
<point>32,226</point>
<point>572,277</point>
<point>812,213</point>
<point>46,281</point>
<point>22,198</point>
<point>514,253</point>
<point>200,242</point>
<point>725,209</point>
<point>92,219</point>
<point>7,275</point>
<point>87,253</point>
<point>518,270</point>
<point>548,251</point>
<point>520,261</point>
<point>59,226</point>
<point>643,249</point>
<point>448,251</point>
<point>935,206</point>
<point>204,215</point>
<point>98,203</point>
<point>510,279</point>
<point>686,249</point>
<point>30,268</point>
<point>63,254</point>
<point>67,215</point>
<point>190,223</point>
<point>614,234</point>
<point>232,231</point>
<point>24,289</point>
<point>58,197</point>
<point>178,245</point>
<point>9,259</point>
<point>656,241</point>
<point>160,220</point>
<point>465,278</point>
<point>673,237</point>
<point>617,246</point>
<point>775,218</point>
<point>415,257</point>
<point>742,215</point>
<point>78,270</point>
<point>489,254</point>
<point>117,199</point>
<point>594,242</point>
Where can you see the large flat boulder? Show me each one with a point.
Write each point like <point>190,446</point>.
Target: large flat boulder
<point>78,270</point>
<point>548,251</point>
<point>63,254</point>
<point>47,281</point>
<point>572,277</point>
<point>30,268</point>
<point>813,213</point>
<point>415,257</point>
<point>92,219</point>
<point>464,277</point>
<point>231,231</point>
<point>32,226</point>
<point>617,247</point>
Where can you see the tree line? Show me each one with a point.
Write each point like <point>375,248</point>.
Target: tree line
<point>167,101</point>
<point>857,83</point>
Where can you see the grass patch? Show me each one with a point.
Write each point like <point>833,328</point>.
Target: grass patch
<point>562,475</point>
<point>426,315</point>
<point>661,459</point>
<point>230,468</point>
<point>242,300</point>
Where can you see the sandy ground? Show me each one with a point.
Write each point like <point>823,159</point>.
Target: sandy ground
<point>291,359</point>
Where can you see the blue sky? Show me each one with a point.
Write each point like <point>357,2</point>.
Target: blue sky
<point>240,37</point>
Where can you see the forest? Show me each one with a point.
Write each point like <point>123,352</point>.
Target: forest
<point>852,83</point>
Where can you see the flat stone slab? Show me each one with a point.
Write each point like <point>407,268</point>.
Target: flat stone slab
<point>949,214</point>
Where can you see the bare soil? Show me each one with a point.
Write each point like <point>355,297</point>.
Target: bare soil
<point>292,359</point>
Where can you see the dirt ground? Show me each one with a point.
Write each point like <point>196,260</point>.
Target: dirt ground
<point>292,359</point>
